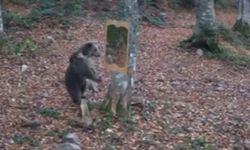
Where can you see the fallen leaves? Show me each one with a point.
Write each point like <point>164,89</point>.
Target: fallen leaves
<point>179,96</point>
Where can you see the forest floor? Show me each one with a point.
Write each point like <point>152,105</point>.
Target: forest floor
<point>189,101</point>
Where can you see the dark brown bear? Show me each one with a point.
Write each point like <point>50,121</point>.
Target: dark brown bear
<point>80,74</point>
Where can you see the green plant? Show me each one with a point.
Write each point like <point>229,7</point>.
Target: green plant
<point>128,123</point>
<point>191,3</point>
<point>106,120</point>
<point>13,20</point>
<point>62,10</point>
<point>23,2</point>
<point>21,138</point>
<point>48,112</point>
<point>145,115</point>
<point>237,60</point>
<point>154,20</point>
<point>168,103</point>
<point>149,106</point>
<point>198,142</point>
<point>93,104</point>
<point>60,133</point>
<point>226,4</point>
<point>181,147</point>
<point>195,144</point>
<point>235,38</point>
<point>108,147</point>
<point>229,35</point>
<point>162,124</point>
<point>51,132</point>
<point>3,41</point>
<point>19,47</point>
<point>181,129</point>
<point>182,3</point>
<point>26,46</point>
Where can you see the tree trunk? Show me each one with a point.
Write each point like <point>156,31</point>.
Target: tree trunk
<point>205,31</point>
<point>243,21</point>
<point>119,92</point>
<point>1,17</point>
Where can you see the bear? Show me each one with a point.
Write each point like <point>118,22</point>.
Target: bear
<point>80,74</point>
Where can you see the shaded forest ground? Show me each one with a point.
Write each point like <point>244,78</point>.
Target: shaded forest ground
<point>188,101</point>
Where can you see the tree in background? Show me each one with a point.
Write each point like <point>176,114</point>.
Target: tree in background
<point>153,11</point>
<point>1,17</point>
<point>243,21</point>
<point>205,31</point>
<point>119,92</point>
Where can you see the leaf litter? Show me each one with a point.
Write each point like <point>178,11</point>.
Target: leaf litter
<point>184,97</point>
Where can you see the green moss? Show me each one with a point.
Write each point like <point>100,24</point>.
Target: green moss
<point>59,133</point>
<point>229,35</point>
<point>109,147</point>
<point>48,112</point>
<point>23,2</point>
<point>242,27</point>
<point>61,11</point>
<point>93,105</point>
<point>200,41</point>
<point>3,41</point>
<point>106,121</point>
<point>237,60</point>
<point>21,138</point>
<point>123,112</point>
<point>227,4</point>
<point>13,20</point>
<point>105,107</point>
<point>236,39</point>
<point>195,144</point>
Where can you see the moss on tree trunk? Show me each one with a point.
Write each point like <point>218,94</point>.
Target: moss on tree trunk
<point>1,17</point>
<point>204,40</point>
<point>242,24</point>
<point>242,27</point>
<point>205,32</point>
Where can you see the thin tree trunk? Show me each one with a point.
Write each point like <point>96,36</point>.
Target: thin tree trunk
<point>243,21</point>
<point>205,31</point>
<point>119,93</point>
<point>1,17</point>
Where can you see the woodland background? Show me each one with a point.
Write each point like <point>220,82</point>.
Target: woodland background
<point>184,98</point>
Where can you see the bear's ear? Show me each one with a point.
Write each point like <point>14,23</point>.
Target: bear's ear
<point>86,48</point>
<point>89,45</point>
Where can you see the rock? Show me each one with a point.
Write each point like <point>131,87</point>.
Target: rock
<point>220,88</point>
<point>72,137</point>
<point>30,123</point>
<point>67,146</point>
<point>199,52</point>
<point>247,144</point>
<point>70,142</point>
<point>50,39</point>
<point>163,15</point>
<point>109,130</point>
<point>24,68</point>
